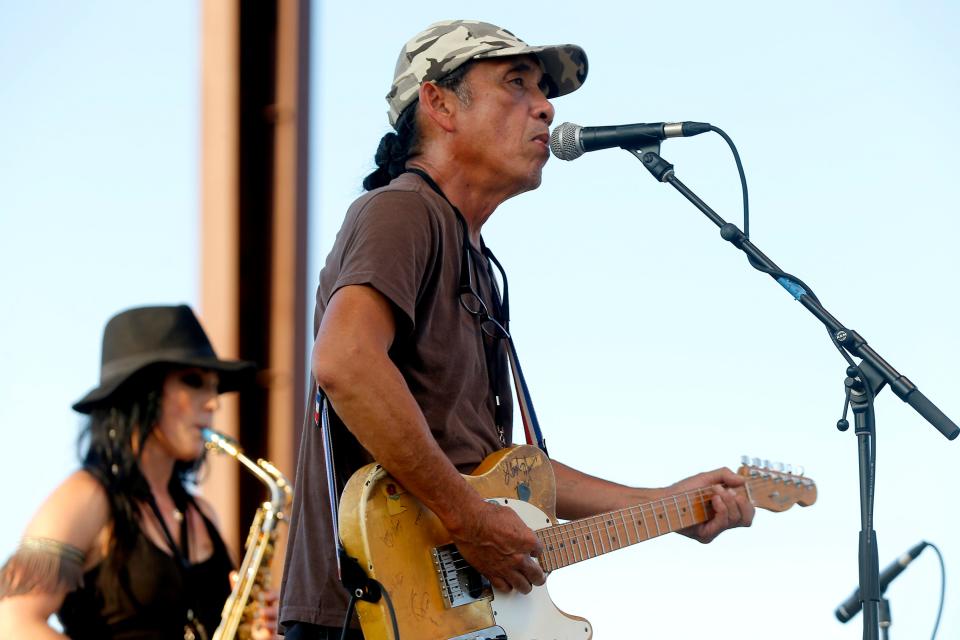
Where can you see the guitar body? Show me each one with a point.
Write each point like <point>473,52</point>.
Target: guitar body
<point>436,596</point>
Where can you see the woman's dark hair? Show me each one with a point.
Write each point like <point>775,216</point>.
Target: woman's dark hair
<point>396,148</point>
<point>106,442</point>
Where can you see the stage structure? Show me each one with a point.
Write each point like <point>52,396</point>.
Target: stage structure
<point>253,241</point>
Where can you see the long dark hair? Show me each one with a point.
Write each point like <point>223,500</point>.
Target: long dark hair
<point>107,452</point>
<point>396,148</point>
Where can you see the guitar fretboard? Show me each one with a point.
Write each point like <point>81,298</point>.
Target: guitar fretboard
<point>570,542</point>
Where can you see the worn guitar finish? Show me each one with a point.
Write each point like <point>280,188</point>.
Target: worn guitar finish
<point>438,596</point>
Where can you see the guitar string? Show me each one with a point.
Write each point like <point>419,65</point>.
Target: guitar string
<point>593,524</point>
<point>565,556</point>
<point>591,527</point>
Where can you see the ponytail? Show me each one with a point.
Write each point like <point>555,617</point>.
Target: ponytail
<point>394,150</point>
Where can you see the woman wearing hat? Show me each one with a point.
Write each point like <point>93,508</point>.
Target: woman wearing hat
<point>122,548</point>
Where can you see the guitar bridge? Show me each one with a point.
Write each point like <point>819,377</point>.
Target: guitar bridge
<point>490,633</point>
<point>460,583</point>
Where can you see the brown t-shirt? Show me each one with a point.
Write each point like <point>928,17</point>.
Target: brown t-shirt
<point>403,240</point>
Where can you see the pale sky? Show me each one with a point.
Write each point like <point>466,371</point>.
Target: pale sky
<point>652,349</point>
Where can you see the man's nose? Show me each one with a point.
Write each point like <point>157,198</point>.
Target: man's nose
<point>545,111</point>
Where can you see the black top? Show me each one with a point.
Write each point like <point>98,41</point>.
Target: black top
<point>149,597</point>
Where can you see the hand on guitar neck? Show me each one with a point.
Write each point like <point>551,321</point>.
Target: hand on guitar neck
<point>731,505</point>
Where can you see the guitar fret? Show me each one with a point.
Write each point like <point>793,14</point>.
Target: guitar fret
<point>599,535</point>
<point>558,549</point>
<point>556,542</point>
<point>606,526</point>
<point>548,546</point>
<point>572,540</point>
<point>664,514</point>
<point>551,548</point>
<point>633,518</point>
<point>577,543</point>
<point>705,502</point>
<point>543,559</point>
<point>656,519</point>
<point>690,506</point>
<point>626,531</point>
<point>643,518</point>
<point>676,504</point>
<point>593,539</point>
<point>564,550</point>
<point>560,545</point>
<point>581,542</point>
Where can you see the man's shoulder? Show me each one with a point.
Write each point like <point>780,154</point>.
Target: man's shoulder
<point>406,191</point>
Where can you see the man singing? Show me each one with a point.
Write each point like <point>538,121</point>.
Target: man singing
<point>410,328</point>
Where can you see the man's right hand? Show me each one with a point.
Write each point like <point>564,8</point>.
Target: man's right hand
<point>497,543</point>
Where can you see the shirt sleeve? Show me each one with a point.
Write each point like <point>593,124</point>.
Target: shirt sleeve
<point>392,247</point>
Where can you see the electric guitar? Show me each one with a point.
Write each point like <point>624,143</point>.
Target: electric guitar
<point>433,594</point>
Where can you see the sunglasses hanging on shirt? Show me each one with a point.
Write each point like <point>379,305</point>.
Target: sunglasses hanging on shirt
<point>495,326</point>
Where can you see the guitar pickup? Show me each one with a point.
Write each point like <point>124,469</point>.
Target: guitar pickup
<point>460,583</point>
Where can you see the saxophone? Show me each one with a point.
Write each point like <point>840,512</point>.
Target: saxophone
<point>254,573</point>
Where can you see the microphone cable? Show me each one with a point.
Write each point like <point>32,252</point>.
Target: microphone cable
<point>743,178</point>
<point>781,277</point>
<point>943,589</point>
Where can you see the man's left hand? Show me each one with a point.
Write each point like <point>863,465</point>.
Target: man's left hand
<point>730,508</point>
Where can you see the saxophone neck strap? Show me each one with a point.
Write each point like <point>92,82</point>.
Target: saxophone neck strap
<point>181,552</point>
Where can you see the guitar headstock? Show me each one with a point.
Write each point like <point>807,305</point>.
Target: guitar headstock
<point>776,487</point>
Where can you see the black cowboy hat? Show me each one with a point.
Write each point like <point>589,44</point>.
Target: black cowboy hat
<point>145,336</point>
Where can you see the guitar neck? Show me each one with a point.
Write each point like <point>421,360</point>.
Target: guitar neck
<point>570,542</point>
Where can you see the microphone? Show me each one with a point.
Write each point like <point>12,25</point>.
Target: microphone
<point>852,605</point>
<point>570,141</point>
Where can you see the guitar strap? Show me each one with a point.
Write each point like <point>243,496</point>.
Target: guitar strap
<point>531,425</point>
<point>354,579</point>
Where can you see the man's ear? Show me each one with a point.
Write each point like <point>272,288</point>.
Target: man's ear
<point>440,105</point>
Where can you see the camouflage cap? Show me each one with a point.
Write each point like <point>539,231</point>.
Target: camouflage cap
<point>446,45</point>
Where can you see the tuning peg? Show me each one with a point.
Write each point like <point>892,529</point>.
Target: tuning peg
<point>779,466</point>
<point>756,462</point>
<point>767,465</point>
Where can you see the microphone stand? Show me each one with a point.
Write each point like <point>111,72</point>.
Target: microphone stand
<point>885,619</point>
<point>862,383</point>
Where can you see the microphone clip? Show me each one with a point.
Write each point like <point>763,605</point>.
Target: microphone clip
<point>649,155</point>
